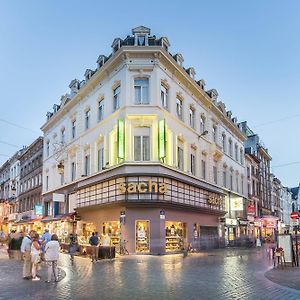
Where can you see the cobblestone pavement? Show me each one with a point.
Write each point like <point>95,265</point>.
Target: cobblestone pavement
<point>222,274</point>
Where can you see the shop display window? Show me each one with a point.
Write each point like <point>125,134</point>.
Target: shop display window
<point>142,236</point>
<point>112,230</point>
<point>85,232</point>
<point>175,236</point>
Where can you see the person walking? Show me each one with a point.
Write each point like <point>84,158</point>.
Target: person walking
<point>94,241</point>
<point>73,247</point>
<point>25,250</point>
<point>35,256</point>
<point>51,256</point>
<point>46,237</point>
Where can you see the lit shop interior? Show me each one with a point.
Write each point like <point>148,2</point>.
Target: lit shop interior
<point>175,236</point>
<point>142,240</point>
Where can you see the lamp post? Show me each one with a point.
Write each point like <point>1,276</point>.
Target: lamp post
<point>205,132</point>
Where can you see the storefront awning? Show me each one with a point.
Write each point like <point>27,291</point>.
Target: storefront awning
<point>50,219</point>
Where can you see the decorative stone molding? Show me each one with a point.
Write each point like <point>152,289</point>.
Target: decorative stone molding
<point>100,97</point>
<point>86,147</point>
<point>116,84</point>
<point>87,108</point>
<point>165,83</point>
<point>181,137</point>
<point>179,95</point>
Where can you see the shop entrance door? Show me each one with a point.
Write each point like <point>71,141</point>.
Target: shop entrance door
<point>142,236</point>
<point>175,236</point>
<point>112,230</point>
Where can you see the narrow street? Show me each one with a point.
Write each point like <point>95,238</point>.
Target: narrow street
<point>221,274</point>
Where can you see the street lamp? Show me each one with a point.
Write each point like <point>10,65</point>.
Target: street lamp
<point>60,167</point>
<point>205,132</point>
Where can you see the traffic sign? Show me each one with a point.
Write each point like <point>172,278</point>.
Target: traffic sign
<point>295,222</point>
<point>294,215</point>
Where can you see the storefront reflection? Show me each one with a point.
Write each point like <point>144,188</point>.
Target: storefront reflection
<point>172,268</point>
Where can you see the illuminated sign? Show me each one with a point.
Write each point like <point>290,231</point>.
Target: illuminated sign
<point>251,209</point>
<point>214,200</point>
<point>231,222</point>
<point>121,139</point>
<point>236,204</point>
<point>143,187</point>
<point>38,210</point>
<point>161,139</point>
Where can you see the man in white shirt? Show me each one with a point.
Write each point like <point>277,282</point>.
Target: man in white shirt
<point>25,250</point>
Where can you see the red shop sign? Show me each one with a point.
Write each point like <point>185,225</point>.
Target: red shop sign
<point>251,209</point>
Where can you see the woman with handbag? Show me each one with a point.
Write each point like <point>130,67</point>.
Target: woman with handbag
<point>35,256</point>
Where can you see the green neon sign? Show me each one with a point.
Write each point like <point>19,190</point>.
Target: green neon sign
<point>161,139</point>
<point>121,139</point>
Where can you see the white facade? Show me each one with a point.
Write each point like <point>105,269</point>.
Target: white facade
<point>147,85</point>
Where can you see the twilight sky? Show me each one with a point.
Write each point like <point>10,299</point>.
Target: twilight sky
<point>248,50</point>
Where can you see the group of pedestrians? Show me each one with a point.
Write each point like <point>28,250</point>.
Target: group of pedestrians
<point>35,250</point>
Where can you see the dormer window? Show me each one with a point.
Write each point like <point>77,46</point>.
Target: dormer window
<point>56,108</point>
<point>116,45</point>
<point>101,60</point>
<point>141,35</point>
<point>74,86</point>
<point>141,40</point>
<point>179,58</point>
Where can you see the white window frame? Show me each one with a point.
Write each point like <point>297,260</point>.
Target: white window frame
<point>193,164</point>
<point>202,123</point>
<point>116,97</point>
<point>87,116</point>
<point>179,108</point>
<point>180,158</point>
<point>100,110</point>
<point>215,174</point>
<point>73,129</point>
<point>192,117</point>
<point>87,164</point>
<point>73,171</point>
<point>143,85</point>
<point>144,154</point>
<point>164,95</point>
<point>100,158</point>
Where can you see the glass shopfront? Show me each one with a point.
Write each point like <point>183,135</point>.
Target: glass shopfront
<point>175,236</point>
<point>112,230</point>
<point>84,232</point>
<point>142,236</point>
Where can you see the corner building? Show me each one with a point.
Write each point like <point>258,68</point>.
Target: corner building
<point>137,149</point>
